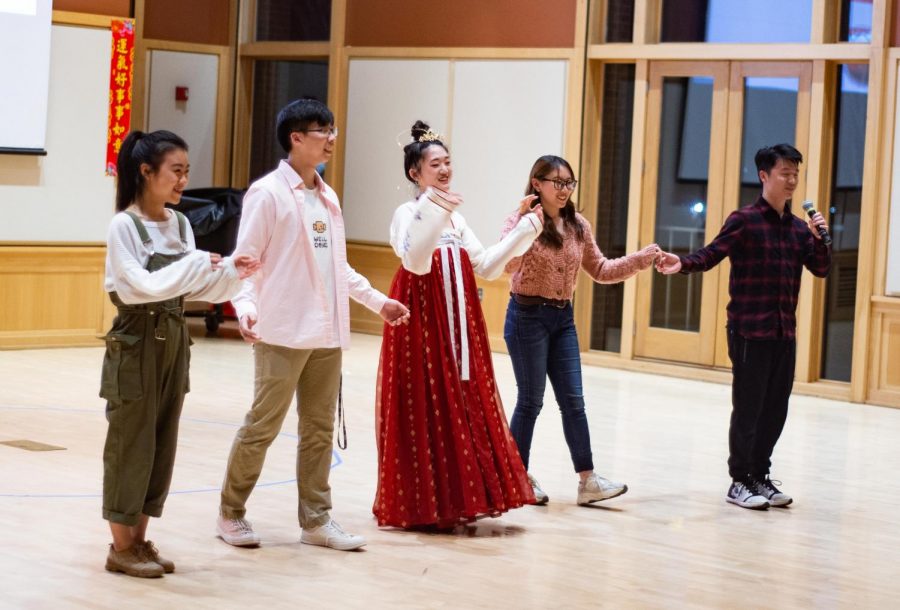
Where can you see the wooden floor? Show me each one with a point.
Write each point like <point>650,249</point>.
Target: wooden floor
<point>670,542</point>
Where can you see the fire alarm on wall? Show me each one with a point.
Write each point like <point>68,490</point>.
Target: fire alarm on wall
<point>181,94</point>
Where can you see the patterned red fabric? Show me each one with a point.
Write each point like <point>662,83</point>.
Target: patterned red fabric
<point>445,454</point>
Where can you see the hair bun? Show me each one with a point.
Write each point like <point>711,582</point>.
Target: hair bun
<point>419,129</point>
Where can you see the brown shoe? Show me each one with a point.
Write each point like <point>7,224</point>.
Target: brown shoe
<point>151,553</point>
<point>132,562</point>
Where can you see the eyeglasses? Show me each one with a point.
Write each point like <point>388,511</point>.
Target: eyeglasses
<point>561,184</point>
<point>328,131</point>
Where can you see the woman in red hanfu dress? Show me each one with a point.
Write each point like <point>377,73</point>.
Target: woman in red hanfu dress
<point>445,454</point>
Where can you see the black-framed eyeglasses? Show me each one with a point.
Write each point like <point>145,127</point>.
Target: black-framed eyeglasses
<point>328,131</point>
<point>561,184</point>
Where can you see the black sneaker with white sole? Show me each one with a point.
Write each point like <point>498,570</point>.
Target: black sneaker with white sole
<point>765,487</point>
<point>744,495</point>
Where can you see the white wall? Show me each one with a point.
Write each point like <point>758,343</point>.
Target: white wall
<point>506,114</point>
<point>385,97</point>
<point>65,196</point>
<point>193,120</point>
<point>892,281</point>
<point>497,118</point>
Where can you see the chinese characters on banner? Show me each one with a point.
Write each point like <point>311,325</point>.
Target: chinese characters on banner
<point>120,76</point>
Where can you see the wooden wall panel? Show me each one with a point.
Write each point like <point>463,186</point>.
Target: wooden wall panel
<point>198,21</point>
<point>51,296</point>
<point>116,8</point>
<point>379,264</point>
<point>461,23</point>
<point>884,372</point>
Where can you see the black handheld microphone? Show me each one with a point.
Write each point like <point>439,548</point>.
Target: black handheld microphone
<point>823,232</point>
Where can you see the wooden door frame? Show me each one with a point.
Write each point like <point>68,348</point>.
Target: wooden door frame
<point>668,344</point>
<point>739,71</point>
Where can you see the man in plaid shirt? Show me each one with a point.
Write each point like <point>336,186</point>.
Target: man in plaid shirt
<point>768,247</point>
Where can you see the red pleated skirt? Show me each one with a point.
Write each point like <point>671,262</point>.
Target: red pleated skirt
<point>445,454</point>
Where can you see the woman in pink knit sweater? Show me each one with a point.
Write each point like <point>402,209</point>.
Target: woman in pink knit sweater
<point>540,329</point>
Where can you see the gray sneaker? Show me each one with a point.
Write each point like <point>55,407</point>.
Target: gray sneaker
<point>765,487</point>
<point>332,536</point>
<point>595,488</point>
<point>744,495</point>
<point>132,561</point>
<point>540,496</point>
<point>236,532</point>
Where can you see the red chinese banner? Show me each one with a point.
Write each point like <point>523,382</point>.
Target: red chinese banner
<point>120,79</point>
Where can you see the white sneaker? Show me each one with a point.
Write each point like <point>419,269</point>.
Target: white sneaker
<point>236,532</point>
<point>745,496</point>
<point>595,488</point>
<point>765,486</point>
<point>540,496</point>
<point>332,536</point>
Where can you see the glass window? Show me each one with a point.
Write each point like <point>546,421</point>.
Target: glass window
<point>619,20</point>
<point>681,195</point>
<point>611,224</point>
<point>843,215</point>
<point>856,21</point>
<point>294,20</point>
<point>275,83</point>
<point>736,21</point>
<point>770,117</point>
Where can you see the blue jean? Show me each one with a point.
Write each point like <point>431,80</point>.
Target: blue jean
<point>543,343</point>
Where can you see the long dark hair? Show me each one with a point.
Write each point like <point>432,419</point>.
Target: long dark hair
<point>550,236</point>
<point>415,150</point>
<point>137,149</point>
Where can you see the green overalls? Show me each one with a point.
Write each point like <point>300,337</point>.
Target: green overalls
<point>144,380</point>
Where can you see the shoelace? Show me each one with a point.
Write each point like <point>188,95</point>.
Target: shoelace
<point>745,486</point>
<point>150,549</point>
<point>146,551</point>
<point>337,528</point>
<point>770,484</point>
<point>243,526</point>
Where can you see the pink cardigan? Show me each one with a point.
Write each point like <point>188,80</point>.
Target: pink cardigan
<point>550,273</point>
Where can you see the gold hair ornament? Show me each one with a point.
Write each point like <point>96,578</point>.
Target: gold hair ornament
<point>430,136</point>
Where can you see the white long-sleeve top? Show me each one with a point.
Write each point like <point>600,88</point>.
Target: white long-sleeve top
<point>191,276</point>
<point>418,226</point>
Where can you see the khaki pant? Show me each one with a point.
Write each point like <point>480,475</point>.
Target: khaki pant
<point>314,375</point>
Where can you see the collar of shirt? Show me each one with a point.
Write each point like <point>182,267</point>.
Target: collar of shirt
<point>769,212</point>
<point>296,182</point>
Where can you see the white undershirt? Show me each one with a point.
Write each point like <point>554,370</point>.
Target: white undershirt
<point>318,223</point>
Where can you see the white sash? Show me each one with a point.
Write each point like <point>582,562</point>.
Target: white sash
<point>449,248</point>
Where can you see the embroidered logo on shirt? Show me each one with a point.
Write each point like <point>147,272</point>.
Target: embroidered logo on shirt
<point>319,238</point>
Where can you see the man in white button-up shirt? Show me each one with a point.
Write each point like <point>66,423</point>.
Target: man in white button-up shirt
<point>296,312</point>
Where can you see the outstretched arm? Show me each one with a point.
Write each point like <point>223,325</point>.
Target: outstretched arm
<point>613,270</point>
<point>519,232</point>
<point>709,256</point>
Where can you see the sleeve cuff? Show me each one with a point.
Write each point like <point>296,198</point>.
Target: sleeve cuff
<point>436,198</point>
<point>241,308</point>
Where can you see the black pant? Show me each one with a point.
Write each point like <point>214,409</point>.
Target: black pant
<point>763,376</point>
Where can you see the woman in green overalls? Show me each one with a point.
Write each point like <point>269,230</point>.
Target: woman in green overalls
<point>151,267</point>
